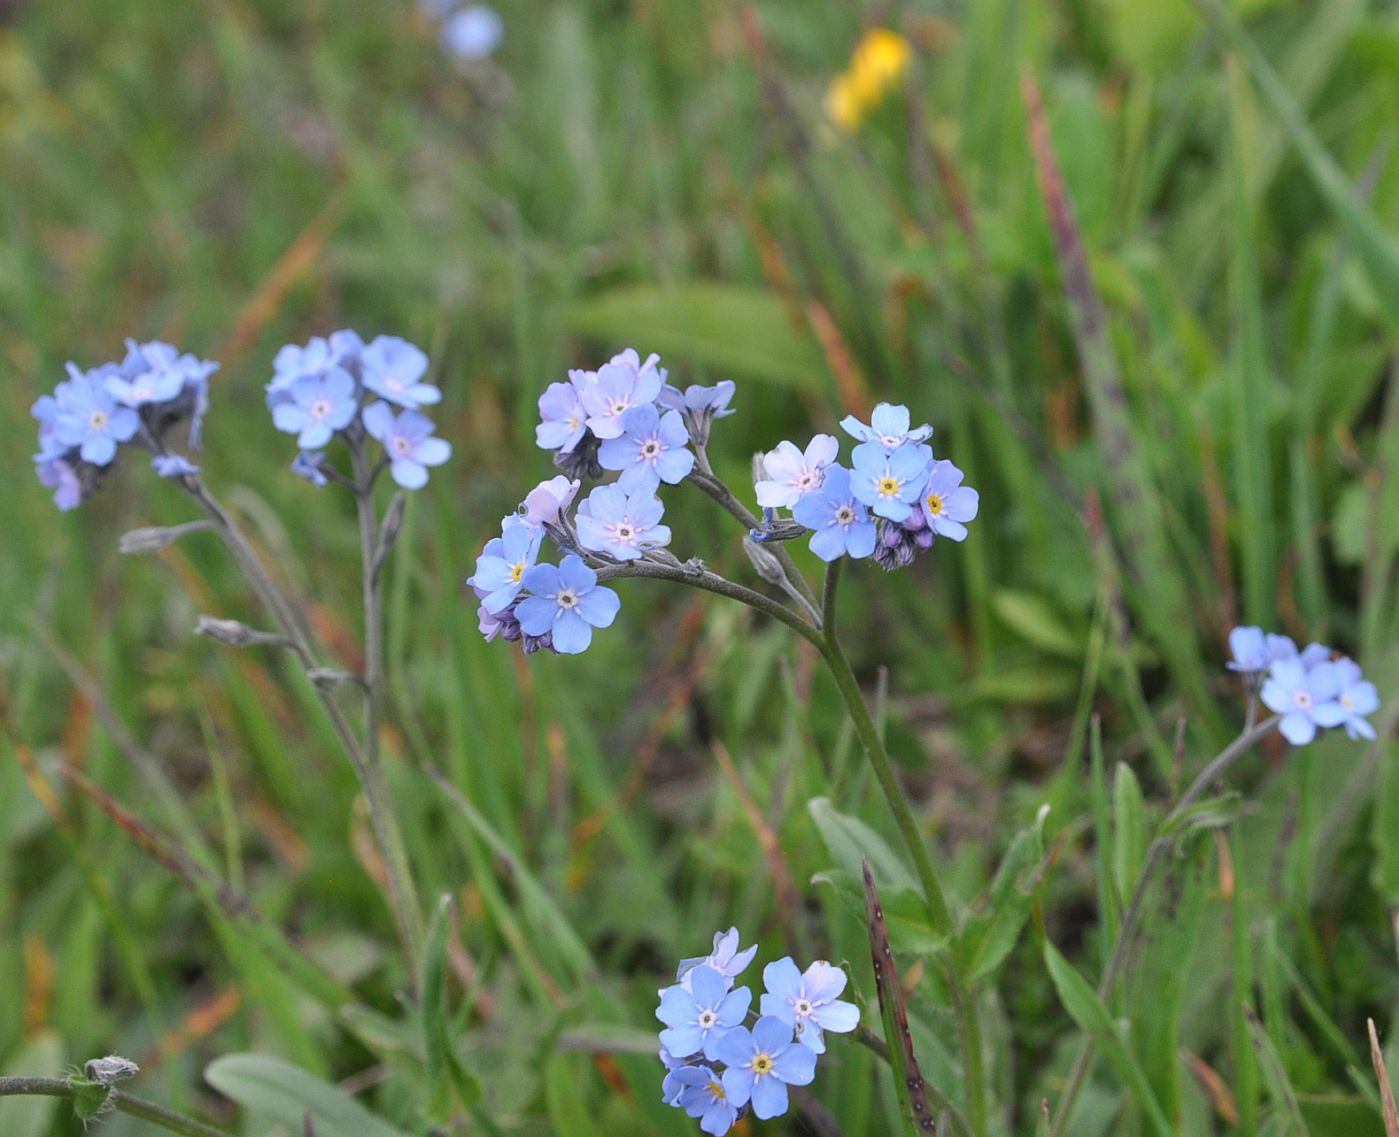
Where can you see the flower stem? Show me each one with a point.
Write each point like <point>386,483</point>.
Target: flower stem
<point>1253,734</point>
<point>376,790</point>
<point>370,776</point>
<point>167,1119</point>
<point>939,915</point>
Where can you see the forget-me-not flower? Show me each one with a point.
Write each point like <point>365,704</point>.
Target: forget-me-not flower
<point>1254,651</point>
<point>393,369</point>
<point>409,442</point>
<point>87,416</point>
<point>890,482</point>
<point>650,450</point>
<point>792,473</point>
<point>698,1017</point>
<point>568,602</point>
<point>173,466</point>
<point>762,1064</point>
<point>62,476</point>
<point>501,567</point>
<point>544,503</point>
<point>473,33</point>
<point>725,957</point>
<point>946,503</point>
<point>1306,699</point>
<point>702,1095</point>
<point>712,401</point>
<point>317,406</point>
<point>564,421</point>
<point>1358,697</point>
<point>836,517</point>
<point>888,427</point>
<point>807,1001</point>
<point>151,373</point>
<point>622,524</point>
<point>622,383</point>
<point>307,465</point>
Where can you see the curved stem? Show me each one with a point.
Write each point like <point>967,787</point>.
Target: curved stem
<point>713,582</point>
<point>376,790</point>
<point>167,1119</point>
<point>1251,737</point>
<point>705,478</point>
<point>935,900</point>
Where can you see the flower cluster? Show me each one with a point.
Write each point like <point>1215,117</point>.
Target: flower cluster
<point>622,418</point>
<point>1311,688</point>
<point>717,1068</point>
<point>93,413</point>
<point>891,503</point>
<point>325,388</point>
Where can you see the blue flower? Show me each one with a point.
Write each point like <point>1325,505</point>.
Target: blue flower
<point>318,356</point>
<point>889,428</point>
<point>671,1086</point>
<point>318,406</point>
<point>791,474</point>
<point>697,1018</point>
<point>889,482</point>
<point>63,476</point>
<point>650,450</point>
<point>501,567</point>
<point>713,401</point>
<point>724,957</point>
<point>173,466</point>
<point>564,421</point>
<point>807,1002</point>
<point>1357,697</point>
<point>307,465</point>
<point>473,33</point>
<point>568,602</point>
<point>620,384</point>
<point>622,524</point>
<point>409,443</point>
<point>762,1064</point>
<point>701,1094</point>
<point>1306,699</point>
<point>947,503</point>
<point>839,521</point>
<point>151,373</point>
<point>87,416</point>
<point>544,503</point>
<point>393,368</point>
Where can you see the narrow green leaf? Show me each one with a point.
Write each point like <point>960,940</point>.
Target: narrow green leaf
<point>850,841</point>
<point>1129,830</point>
<point>988,939</point>
<point>286,1094</point>
<point>1275,1077</point>
<point>447,1077</point>
<point>1086,1009</point>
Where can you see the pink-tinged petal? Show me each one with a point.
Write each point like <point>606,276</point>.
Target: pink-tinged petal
<point>823,982</point>
<point>822,450</point>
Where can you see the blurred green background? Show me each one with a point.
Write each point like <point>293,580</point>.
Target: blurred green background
<point>232,175</point>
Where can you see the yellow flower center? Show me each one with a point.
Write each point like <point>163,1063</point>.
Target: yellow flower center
<point>517,572</point>
<point>934,504</point>
<point>98,420</point>
<point>716,1089</point>
<point>888,486</point>
<point>762,1064</point>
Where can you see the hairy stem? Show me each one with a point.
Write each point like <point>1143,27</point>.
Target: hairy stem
<point>1156,853</point>
<point>167,1119</point>
<point>720,585</point>
<point>370,777</point>
<point>935,900</point>
<point>376,790</point>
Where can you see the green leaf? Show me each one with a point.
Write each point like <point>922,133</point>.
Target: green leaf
<point>1036,622</point>
<point>1275,1077</point>
<point>850,841</point>
<point>285,1094</point>
<point>447,1077</point>
<point>1129,830</point>
<point>728,328</point>
<point>1086,1009</point>
<point>987,939</point>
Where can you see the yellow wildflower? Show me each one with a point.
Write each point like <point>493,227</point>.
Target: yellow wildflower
<point>876,66</point>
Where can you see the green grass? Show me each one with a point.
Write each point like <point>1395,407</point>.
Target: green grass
<point>242,173</point>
